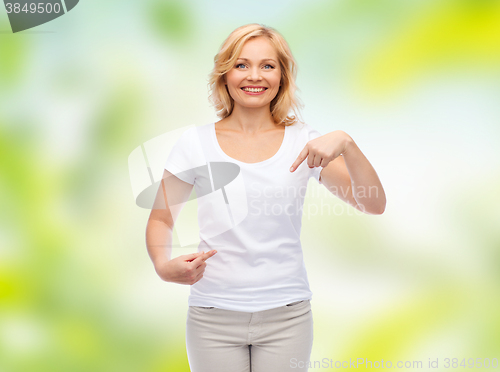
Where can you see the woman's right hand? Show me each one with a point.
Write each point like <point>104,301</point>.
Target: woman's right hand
<point>185,269</point>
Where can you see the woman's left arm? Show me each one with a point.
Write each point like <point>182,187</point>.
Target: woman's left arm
<point>346,172</point>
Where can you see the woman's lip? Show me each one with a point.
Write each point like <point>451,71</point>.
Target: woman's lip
<point>253,93</point>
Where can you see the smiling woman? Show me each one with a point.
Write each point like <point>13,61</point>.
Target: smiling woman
<point>249,302</point>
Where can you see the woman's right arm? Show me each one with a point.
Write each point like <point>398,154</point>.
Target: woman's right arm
<point>171,196</point>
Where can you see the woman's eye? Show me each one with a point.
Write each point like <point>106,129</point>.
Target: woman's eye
<point>269,66</point>
<point>239,64</point>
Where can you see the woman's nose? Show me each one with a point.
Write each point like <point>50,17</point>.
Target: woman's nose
<point>254,74</point>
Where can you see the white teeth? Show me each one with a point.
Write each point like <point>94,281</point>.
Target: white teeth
<point>253,90</point>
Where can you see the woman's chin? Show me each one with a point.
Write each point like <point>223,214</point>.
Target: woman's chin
<point>253,105</point>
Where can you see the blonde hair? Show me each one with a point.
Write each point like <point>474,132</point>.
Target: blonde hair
<point>284,102</point>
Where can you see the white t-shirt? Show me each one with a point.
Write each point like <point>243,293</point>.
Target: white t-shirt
<point>251,213</point>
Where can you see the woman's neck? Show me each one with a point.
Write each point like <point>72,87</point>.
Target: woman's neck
<point>250,120</point>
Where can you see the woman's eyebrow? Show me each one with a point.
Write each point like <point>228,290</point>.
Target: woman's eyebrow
<point>265,59</point>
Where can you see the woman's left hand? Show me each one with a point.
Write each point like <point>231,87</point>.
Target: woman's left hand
<point>322,150</point>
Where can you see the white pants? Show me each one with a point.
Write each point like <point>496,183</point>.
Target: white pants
<point>276,340</point>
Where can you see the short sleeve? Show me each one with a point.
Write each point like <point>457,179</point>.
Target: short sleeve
<point>180,161</point>
<point>312,134</point>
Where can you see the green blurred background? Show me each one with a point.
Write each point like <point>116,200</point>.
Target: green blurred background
<point>416,83</point>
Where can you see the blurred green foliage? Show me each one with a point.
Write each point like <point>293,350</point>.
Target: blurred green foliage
<point>171,20</point>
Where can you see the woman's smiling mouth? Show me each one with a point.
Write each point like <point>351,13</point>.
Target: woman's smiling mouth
<point>254,90</point>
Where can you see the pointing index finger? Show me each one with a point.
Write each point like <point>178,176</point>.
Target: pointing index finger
<point>210,254</point>
<point>207,255</point>
<point>302,156</point>
<point>203,256</point>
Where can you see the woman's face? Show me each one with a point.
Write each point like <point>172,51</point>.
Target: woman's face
<point>255,79</point>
